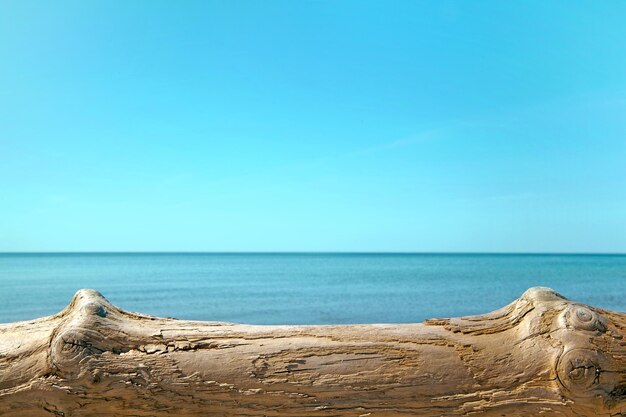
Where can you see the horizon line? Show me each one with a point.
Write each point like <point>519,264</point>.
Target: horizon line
<point>309,253</point>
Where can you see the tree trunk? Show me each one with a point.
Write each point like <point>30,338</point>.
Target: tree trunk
<point>540,355</point>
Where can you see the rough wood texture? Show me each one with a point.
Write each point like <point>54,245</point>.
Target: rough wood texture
<point>542,355</point>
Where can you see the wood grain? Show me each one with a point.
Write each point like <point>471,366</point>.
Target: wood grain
<point>541,355</point>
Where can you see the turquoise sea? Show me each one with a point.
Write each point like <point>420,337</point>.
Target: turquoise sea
<point>303,288</point>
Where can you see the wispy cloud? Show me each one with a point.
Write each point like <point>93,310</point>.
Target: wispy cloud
<point>514,196</point>
<point>421,137</point>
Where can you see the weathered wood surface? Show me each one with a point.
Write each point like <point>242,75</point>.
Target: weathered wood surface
<point>542,355</point>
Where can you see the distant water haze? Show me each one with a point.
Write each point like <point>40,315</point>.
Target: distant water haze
<point>303,288</point>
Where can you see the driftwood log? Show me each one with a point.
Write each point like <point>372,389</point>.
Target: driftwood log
<point>541,355</point>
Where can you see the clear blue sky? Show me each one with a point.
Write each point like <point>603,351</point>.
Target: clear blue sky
<point>313,126</point>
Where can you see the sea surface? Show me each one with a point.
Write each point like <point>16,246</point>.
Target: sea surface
<point>303,288</point>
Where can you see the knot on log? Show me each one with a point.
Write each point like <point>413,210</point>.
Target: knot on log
<point>583,318</point>
<point>591,367</point>
<point>73,345</point>
<point>84,332</point>
<point>580,370</point>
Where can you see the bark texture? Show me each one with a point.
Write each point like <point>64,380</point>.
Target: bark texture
<point>541,355</point>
